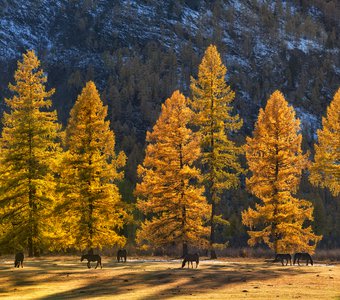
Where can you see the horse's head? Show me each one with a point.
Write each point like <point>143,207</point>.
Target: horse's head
<point>83,257</point>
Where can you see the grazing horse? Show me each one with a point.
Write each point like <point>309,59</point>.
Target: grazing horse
<point>190,258</point>
<point>19,260</point>
<point>305,256</point>
<point>92,257</point>
<point>282,258</point>
<point>121,254</point>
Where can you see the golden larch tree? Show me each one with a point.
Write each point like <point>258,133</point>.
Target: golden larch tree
<point>90,207</point>
<point>212,103</point>
<point>276,161</point>
<point>325,171</point>
<point>170,193</point>
<point>29,150</point>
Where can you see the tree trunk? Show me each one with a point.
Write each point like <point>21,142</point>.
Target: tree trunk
<point>185,249</point>
<point>274,225</point>
<point>30,246</point>
<point>212,231</point>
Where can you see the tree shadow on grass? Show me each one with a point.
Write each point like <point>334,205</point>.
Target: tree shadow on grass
<point>170,282</point>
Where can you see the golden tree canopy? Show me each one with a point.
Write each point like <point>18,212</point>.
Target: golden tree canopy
<point>276,162</point>
<point>170,193</point>
<point>29,153</point>
<point>325,171</point>
<point>212,99</point>
<point>91,204</point>
<point>212,104</point>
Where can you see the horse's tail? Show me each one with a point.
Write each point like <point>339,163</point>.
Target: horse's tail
<point>311,260</point>
<point>197,259</point>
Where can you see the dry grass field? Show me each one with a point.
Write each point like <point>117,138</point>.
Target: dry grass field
<point>68,278</point>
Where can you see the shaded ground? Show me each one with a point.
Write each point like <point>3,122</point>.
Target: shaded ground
<point>68,278</point>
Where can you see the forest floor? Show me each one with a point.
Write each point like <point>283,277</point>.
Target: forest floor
<point>226,278</point>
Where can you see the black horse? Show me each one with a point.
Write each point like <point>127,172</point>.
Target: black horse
<point>92,257</point>
<point>303,256</point>
<point>190,258</point>
<point>19,260</point>
<point>121,254</point>
<point>282,258</point>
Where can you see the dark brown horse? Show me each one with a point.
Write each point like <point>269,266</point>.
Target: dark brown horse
<point>304,256</point>
<point>19,260</point>
<point>92,257</point>
<point>282,258</point>
<point>121,254</point>
<point>190,258</point>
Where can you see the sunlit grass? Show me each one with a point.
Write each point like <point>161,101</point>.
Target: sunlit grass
<point>68,278</point>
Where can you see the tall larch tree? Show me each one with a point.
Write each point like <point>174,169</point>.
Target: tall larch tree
<point>29,150</point>
<point>91,208</point>
<point>171,193</point>
<point>212,103</point>
<point>276,161</point>
<point>325,171</point>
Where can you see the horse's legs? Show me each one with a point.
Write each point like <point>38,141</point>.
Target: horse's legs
<point>88,264</point>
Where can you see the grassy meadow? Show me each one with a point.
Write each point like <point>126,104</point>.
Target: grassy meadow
<point>227,278</point>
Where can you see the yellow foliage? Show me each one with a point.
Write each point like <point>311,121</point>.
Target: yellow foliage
<point>212,99</point>
<point>212,104</point>
<point>276,161</point>
<point>325,171</point>
<point>91,204</point>
<point>29,154</point>
<point>170,193</point>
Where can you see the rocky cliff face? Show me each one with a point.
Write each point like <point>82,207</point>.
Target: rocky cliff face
<point>266,45</point>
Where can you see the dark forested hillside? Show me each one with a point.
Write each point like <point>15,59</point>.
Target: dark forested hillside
<point>139,51</point>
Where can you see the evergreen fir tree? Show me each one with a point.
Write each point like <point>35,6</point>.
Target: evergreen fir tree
<point>212,99</point>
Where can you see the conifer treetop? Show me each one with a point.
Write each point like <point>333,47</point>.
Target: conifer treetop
<point>30,152</point>
<point>276,161</point>
<point>170,193</point>
<point>29,83</point>
<point>91,200</point>
<point>325,171</point>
